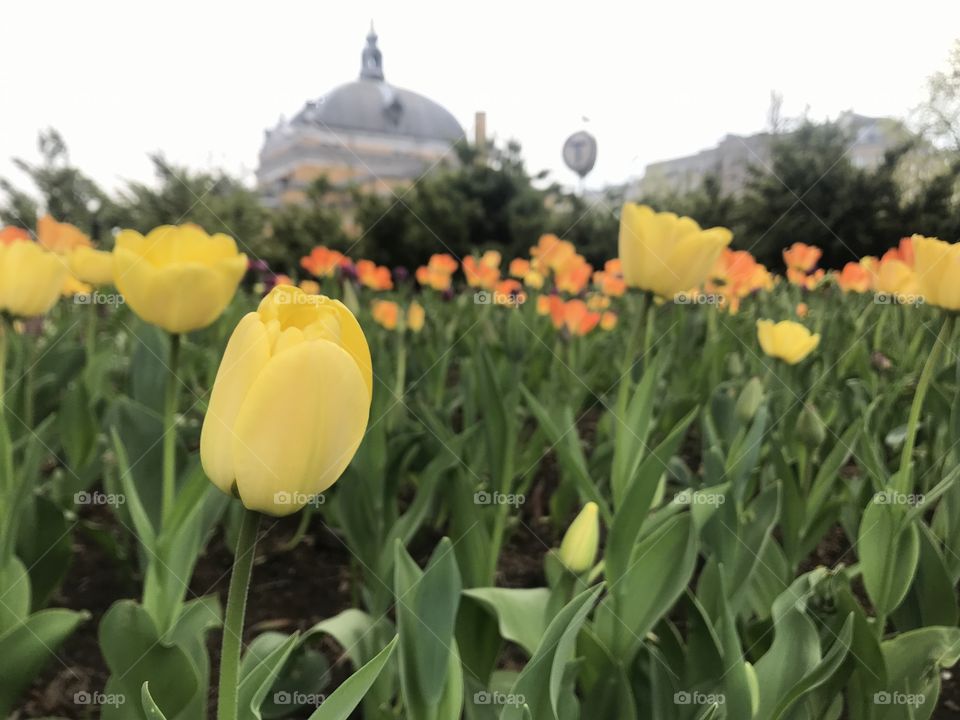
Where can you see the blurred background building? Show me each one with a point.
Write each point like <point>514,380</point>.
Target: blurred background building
<point>366,133</point>
<point>731,159</point>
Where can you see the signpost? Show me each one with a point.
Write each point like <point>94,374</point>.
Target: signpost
<point>580,153</point>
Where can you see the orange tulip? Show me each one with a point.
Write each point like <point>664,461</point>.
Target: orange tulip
<point>802,257</point>
<point>573,315</point>
<point>480,274</point>
<point>854,278</point>
<point>322,262</point>
<point>373,276</point>
<point>11,233</point>
<point>386,313</point>
<point>60,237</point>
<point>438,272</point>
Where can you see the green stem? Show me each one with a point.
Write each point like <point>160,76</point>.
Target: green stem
<point>28,384</point>
<point>301,530</point>
<point>170,429</point>
<point>902,481</point>
<point>227,700</point>
<point>90,334</point>
<point>3,363</point>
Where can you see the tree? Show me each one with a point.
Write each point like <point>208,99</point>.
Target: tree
<point>214,201</point>
<point>813,193</point>
<point>940,114</point>
<point>64,191</point>
<point>296,229</point>
<point>486,200</point>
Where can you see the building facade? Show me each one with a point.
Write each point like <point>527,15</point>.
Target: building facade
<point>731,159</point>
<point>365,133</point>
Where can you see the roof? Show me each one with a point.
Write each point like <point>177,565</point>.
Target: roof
<point>370,104</point>
<point>375,106</point>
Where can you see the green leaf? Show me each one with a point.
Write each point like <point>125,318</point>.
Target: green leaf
<point>632,510</point>
<point>631,431</point>
<point>889,551</point>
<point>344,700</point>
<point>134,653</point>
<point>566,442</point>
<point>45,546</point>
<point>931,599</point>
<point>914,660</point>
<point>15,594</point>
<point>820,674</point>
<point>660,568</point>
<point>149,706</point>
<point>521,612</point>
<point>795,650</point>
<point>141,521</point>
<point>77,425</point>
<point>540,680</point>
<point>258,673</point>
<point>426,607</point>
<point>26,649</point>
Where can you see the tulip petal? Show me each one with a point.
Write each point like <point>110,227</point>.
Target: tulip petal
<point>299,426</point>
<point>30,278</point>
<point>178,298</point>
<point>247,353</point>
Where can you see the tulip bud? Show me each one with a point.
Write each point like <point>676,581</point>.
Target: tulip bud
<point>734,364</point>
<point>810,428</point>
<point>749,401</point>
<point>290,402</point>
<point>579,546</point>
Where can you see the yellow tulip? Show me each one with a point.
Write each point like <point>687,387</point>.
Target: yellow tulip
<point>786,340</point>
<point>415,316</point>
<point>578,549</point>
<point>177,277</point>
<point>664,253</point>
<point>94,267</point>
<point>937,269</point>
<point>896,278</point>
<point>290,402</point>
<point>30,278</point>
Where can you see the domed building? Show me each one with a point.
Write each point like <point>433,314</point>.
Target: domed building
<point>366,133</point>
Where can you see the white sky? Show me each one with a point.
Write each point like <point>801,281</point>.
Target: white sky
<point>201,79</point>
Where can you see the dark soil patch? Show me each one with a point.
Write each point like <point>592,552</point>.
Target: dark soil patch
<point>289,591</point>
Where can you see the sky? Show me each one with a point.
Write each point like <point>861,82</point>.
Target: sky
<point>200,81</point>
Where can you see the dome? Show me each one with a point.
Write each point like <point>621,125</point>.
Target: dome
<point>375,106</point>
<point>372,105</point>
